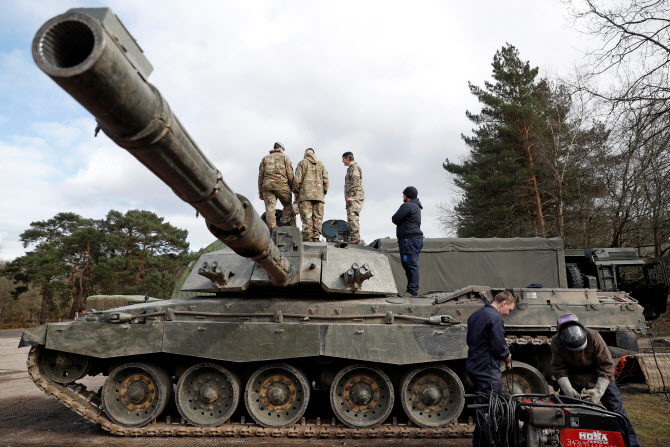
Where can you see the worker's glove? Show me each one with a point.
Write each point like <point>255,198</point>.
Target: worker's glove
<point>567,388</point>
<point>596,393</point>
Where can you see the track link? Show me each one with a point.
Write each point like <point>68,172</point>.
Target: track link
<point>88,405</point>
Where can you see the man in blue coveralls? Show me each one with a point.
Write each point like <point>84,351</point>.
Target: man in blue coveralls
<point>487,347</point>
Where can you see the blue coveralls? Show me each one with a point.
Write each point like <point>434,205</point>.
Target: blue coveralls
<point>486,348</point>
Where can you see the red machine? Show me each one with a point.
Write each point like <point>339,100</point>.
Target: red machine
<point>539,420</point>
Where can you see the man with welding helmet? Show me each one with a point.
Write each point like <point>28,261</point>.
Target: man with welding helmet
<point>581,361</point>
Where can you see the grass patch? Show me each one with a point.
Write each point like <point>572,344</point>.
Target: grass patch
<point>648,414</point>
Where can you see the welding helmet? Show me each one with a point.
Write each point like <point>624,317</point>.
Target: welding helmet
<point>571,332</point>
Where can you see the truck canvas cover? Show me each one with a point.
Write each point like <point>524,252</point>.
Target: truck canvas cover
<point>453,263</point>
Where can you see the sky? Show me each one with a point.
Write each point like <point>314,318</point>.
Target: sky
<point>386,80</point>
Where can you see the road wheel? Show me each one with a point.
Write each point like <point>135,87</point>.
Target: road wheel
<point>522,378</point>
<point>135,394</point>
<point>277,395</point>
<point>64,367</point>
<point>432,396</point>
<point>207,394</point>
<point>361,396</point>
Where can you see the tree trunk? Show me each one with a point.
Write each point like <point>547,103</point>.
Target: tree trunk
<point>73,309</point>
<point>78,292</point>
<point>43,308</point>
<point>73,280</point>
<point>559,218</point>
<point>537,202</point>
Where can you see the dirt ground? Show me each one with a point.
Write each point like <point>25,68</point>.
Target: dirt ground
<point>28,417</point>
<point>662,326</point>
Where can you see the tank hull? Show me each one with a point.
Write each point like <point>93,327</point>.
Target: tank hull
<point>321,337</point>
<point>387,330</point>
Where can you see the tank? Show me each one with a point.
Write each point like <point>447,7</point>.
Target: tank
<point>279,337</point>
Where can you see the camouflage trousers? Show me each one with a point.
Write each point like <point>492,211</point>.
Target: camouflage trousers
<point>311,214</point>
<point>353,211</point>
<point>270,199</point>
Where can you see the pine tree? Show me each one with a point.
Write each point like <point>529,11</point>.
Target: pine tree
<point>73,257</point>
<point>499,178</point>
<point>143,253</point>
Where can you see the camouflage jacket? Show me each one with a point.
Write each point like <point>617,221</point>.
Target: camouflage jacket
<point>311,179</point>
<point>353,183</point>
<point>275,172</point>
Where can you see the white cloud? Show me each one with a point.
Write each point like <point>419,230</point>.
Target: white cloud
<point>58,134</point>
<point>26,194</point>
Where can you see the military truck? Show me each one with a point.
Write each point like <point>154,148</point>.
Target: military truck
<point>612,269</point>
<point>296,339</point>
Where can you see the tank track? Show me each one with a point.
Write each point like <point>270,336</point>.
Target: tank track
<point>87,404</point>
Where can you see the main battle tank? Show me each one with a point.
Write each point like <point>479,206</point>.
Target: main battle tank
<point>300,339</point>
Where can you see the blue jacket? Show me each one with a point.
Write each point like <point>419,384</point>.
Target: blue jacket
<point>486,345</point>
<point>408,220</point>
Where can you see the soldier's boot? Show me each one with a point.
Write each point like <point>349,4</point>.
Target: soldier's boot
<point>407,295</point>
<point>295,211</point>
<point>292,222</point>
<point>289,221</point>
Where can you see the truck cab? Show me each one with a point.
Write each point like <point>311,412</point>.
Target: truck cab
<point>620,269</point>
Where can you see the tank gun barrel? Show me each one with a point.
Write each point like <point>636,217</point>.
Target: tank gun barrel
<point>91,56</point>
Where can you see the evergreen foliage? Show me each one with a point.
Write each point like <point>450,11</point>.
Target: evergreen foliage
<point>73,257</point>
<point>533,165</point>
<point>142,254</point>
<point>498,178</point>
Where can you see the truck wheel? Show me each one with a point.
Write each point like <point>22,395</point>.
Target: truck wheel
<point>575,277</point>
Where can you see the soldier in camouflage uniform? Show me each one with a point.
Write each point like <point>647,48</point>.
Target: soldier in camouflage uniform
<point>310,186</point>
<point>275,179</point>
<point>354,196</point>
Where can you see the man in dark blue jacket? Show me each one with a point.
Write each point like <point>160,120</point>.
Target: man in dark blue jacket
<point>410,237</point>
<point>487,347</point>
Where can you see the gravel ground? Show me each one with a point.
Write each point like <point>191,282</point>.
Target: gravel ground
<point>30,417</point>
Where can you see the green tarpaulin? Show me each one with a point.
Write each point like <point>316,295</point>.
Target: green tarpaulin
<point>453,263</point>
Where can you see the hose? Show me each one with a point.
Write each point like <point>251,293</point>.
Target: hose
<point>498,420</point>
